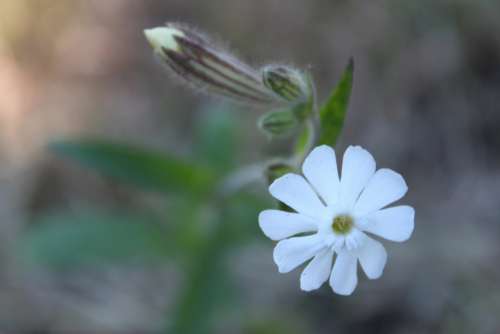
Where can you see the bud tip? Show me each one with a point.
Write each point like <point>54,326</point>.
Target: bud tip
<point>163,37</point>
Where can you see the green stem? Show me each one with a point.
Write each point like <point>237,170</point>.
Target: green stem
<point>298,158</point>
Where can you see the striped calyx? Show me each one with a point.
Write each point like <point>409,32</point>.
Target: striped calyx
<point>277,123</point>
<point>286,82</point>
<point>197,61</point>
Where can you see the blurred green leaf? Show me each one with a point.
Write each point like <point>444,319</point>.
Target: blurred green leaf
<point>269,325</point>
<point>332,113</point>
<point>63,241</point>
<point>147,169</point>
<point>217,138</point>
<point>240,215</point>
<point>188,220</point>
<point>207,286</point>
<point>205,292</point>
<point>209,290</point>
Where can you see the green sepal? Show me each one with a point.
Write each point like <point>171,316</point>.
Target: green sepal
<point>278,123</point>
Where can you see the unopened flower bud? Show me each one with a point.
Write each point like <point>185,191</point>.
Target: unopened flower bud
<point>278,123</point>
<point>274,171</point>
<point>197,61</point>
<point>288,83</point>
<point>277,169</point>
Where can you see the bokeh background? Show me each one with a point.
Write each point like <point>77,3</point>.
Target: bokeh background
<point>81,251</point>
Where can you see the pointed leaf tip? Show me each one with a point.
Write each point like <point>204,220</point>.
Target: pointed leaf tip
<point>332,113</point>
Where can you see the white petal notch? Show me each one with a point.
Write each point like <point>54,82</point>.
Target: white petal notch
<point>372,257</point>
<point>358,166</point>
<point>344,278</point>
<point>394,224</point>
<point>291,253</point>
<point>334,216</point>
<point>317,271</point>
<point>385,187</point>
<point>294,191</point>
<point>320,169</point>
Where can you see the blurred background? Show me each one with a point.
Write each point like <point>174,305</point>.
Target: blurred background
<point>99,250</point>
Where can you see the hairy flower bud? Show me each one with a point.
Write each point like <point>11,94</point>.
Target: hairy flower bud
<point>286,82</point>
<point>276,123</point>
<point>195,59</point>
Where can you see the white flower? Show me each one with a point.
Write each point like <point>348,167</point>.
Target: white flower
<point>333,215</point>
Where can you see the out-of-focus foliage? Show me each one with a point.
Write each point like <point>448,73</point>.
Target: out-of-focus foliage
<point>66,241</point>
<point>272,326</point>
<point>149,170</point>
<point>216,138</point>
<point>200,229</point>
<point>207,287</point>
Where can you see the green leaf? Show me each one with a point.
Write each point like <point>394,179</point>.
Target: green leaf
<point>188,220</point>
<point>207,288</point>
<point>332,113</point>
<point>244,208</point>
<point>217,138</point>
<point>271,324</point>
<point>64,241</point>
<point>206,291</point>
<point>146,169</point>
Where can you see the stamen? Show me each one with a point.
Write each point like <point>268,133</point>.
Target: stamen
<point>342,224</point>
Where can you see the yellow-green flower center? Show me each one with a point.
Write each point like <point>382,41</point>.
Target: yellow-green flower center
<point>342,224</point>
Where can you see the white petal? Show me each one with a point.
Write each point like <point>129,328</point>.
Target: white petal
<point>358,167</point>
<point>344,276</point>
<point>372,257</point>
<point>294,191</point>
<point>395,224</point>
<point>355,239</point>
<point>386,186</point>
<point>320,168</point>
<point>291,253</point>
<point>278,225</point>
<point>317,271</point>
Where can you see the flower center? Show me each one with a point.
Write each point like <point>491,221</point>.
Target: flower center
<point>342,224</point>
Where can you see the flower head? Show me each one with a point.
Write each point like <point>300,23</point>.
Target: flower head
<point>334,216</point>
